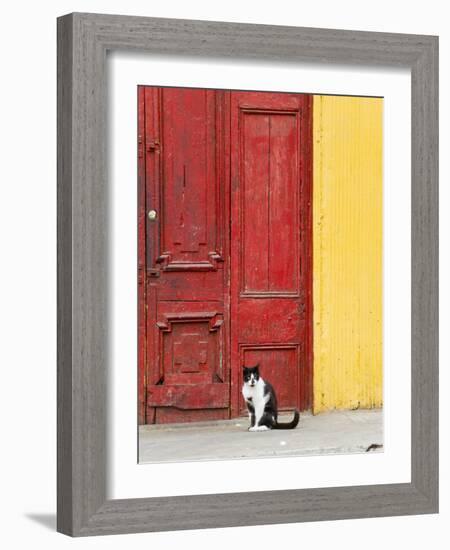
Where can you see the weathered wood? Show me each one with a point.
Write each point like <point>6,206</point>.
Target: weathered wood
<point>142,247</point>
<point>183,396</point>
<point>184,149</point>
<point>271,242</point>
<point>348,252</point>
<point>184,253</point>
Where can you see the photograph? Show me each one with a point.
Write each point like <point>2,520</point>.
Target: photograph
<point>229,337</point>
<point>260,274</point>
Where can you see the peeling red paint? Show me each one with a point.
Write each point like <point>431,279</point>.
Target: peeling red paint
<point>196,142</point>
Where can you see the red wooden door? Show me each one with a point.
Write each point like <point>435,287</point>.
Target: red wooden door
<point>192,145</point>
<point>184,205</point>
<point>270,243</point>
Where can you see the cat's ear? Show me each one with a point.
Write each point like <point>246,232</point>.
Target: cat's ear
<point>256,367</point>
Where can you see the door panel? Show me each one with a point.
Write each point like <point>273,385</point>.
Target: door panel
<point>269,174</point>
<point>189,228</point>
<point>185,177</point>
<point>270,256</point>
<point>279,362</point>
<point>186,372</point>
<point>191,343</point>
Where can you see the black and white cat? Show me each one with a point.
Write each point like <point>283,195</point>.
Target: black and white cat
<point>262,403</point>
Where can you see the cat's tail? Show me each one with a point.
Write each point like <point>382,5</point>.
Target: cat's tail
<point>288,425</point>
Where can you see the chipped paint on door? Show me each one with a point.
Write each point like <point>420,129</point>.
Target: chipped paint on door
<point>207,307</point>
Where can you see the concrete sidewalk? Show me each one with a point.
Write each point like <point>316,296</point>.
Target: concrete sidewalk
<point>337,432</point>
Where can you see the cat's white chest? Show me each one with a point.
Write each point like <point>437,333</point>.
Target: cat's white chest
<point>255,394</point>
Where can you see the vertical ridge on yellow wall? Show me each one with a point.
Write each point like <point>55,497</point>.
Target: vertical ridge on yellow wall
<point>347,252</point>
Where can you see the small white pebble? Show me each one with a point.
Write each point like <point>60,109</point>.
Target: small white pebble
<point>282,442</point>
<point>237,425</point>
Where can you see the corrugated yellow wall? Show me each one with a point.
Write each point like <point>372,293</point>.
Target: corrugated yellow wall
<point>347,248</point>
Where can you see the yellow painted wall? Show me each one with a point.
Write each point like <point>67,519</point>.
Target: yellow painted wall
<point>347,249</point>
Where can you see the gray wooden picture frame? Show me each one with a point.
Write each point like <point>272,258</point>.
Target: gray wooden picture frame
<point>83,41</point>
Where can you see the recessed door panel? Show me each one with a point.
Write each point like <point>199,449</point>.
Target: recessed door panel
<point>279,362</point>
<point>269,208</point>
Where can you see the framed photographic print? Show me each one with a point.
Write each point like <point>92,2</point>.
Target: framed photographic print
<point>230,276</point>
<point>247,274</point>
